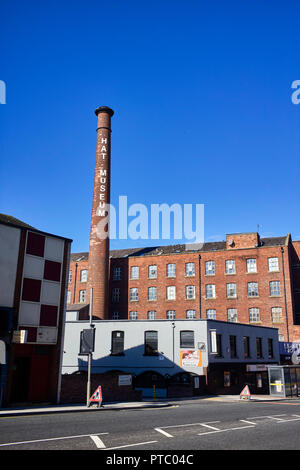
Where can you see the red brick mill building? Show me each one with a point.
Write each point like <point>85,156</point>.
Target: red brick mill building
<point>245,279</point>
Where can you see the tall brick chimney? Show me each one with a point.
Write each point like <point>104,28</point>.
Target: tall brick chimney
<point>98,267</point>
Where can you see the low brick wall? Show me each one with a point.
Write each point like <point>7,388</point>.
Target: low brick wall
<point>74,388</point>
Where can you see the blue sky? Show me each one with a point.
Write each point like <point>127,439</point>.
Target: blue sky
<point>203,112</point>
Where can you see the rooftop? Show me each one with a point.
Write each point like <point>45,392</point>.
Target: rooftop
<point>173,249</point>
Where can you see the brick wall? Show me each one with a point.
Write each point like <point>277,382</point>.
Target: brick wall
<point>288,301</point>
<point>74,388</point>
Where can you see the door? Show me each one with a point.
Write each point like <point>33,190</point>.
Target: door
<point>39,389</point>
<point>20,379</point>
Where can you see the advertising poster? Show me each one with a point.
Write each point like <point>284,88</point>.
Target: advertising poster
<point>190,358</point>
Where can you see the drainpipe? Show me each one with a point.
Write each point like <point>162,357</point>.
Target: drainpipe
<point>199,258</point>
<point>284,288</point>
<point>75,277</point>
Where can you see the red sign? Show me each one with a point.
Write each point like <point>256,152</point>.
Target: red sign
<point>245,392</point>
<point>97,395</point>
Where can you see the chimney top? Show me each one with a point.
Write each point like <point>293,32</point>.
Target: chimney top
<point>104,109</point>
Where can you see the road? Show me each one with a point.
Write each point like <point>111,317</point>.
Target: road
<point>206,424</point>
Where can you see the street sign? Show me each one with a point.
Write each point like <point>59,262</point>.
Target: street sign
<point>87,341</point>
<point>97,397</point>
<point>245,393</point>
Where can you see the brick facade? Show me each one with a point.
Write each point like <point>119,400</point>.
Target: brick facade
<point>237,248</point>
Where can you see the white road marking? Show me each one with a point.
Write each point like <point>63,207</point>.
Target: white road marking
<point>223,430</point>
<point>50,439</point>
<point>97,441</point>
<point>130,445</point>
<point>289,420</point>
<point>266,416</point>
<point>248,422</point>
<point>163,432</point>
<point>192,424</point>
<point>211,427</point>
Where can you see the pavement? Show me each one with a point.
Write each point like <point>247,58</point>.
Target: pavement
<point>158,403</point>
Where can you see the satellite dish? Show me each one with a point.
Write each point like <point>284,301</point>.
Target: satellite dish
<point>230,242</point>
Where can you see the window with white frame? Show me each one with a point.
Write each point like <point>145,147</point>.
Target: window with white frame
<point>70,277</point>
<point>211,314</point>
<point>69,297</point>
<point>171,292</point>
<point>190,269</point>
<point>230,266</point>
<point>190,292</point>
<point>134,272</point>
<point>232,315</point>
<point>117,274</point>
<point>275,288</point>
<point>152,293</point>
<point>133,315</point>
<point>83,275</point>
<point>210,268</point>
<point>151,315</point>
<point>171,270</point>
<point>152,271</point>
<point>252,289</point>
<point>134,294</point>
<point>190,314</point>
<point>276,313</point>
<point>82,296</point>
<point>210,291</point>
<point>231,290</point>
<point>115,295</point>
<point>273,264</point>
<point>171,314</point>
<point>115,316</point>
<point>251,265</point>
<point>254,315</point>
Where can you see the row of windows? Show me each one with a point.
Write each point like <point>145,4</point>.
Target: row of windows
<point>231,289</point>
<point>187,340</point>
<point>251,266</point>
<point>254,315</point>
<point>190,291</point>
<point>247,353</point>
<point>230,268</point>
<point>232,315</point>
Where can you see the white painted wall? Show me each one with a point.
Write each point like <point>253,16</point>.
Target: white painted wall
<point>9,252</point>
